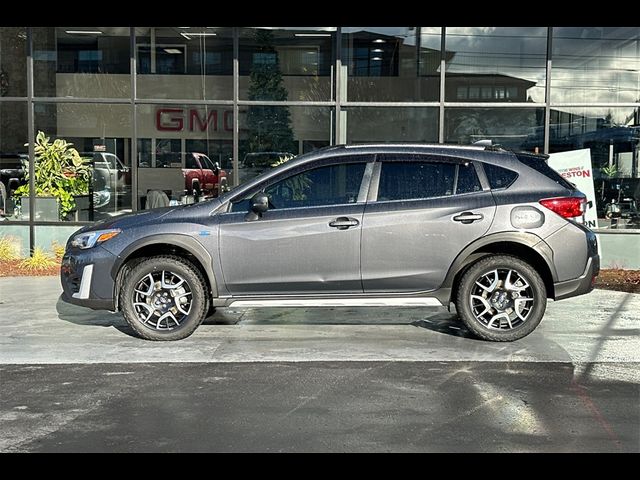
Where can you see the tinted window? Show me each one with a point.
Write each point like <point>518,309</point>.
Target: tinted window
<point>330,185</point>
<point>191,162</point>
<point>540,165</point>
<point>413,180</point>
<point>467,179</point>
<point>499,177</point>
<point>207,163</point>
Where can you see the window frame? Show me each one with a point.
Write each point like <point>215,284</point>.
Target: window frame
<point>422,158</point>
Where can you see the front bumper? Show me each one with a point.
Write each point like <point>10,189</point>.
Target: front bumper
<point>86,278</point>
<point>581,285</point>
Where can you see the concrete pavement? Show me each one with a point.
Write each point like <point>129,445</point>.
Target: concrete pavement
<point>602,327</point>
<point>330,379</point>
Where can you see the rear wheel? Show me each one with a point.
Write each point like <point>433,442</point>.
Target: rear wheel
<point>501,298</point>
<point>164,298</point>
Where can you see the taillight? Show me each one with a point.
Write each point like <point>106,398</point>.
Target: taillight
<point>566,207</point>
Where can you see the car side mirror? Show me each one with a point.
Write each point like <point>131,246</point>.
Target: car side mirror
<point>258,205</point>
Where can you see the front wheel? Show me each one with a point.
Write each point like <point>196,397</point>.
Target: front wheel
<point>501,298</point>
<point>164,298</point>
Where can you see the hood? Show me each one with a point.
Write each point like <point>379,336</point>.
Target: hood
<point>166,214</point>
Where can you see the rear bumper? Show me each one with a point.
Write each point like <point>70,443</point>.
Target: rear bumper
<point>581,285</point>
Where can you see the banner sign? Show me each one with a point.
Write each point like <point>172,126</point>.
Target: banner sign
<point>575,166</point>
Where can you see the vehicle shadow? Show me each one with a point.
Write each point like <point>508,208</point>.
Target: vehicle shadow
<point>447,323</point>
<point>102,318</point>
<point>94,318</point>
<point>437,320</point>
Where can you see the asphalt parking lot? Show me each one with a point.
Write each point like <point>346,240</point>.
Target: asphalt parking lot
<point>330,379</point>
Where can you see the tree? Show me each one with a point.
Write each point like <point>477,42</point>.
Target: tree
<point>269,126</point>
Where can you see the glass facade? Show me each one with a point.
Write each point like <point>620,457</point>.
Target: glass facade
<point>186,112</point>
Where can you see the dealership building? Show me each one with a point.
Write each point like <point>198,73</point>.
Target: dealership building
<point>138,101</point>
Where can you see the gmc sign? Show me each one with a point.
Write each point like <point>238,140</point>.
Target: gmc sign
<point>175,119</point>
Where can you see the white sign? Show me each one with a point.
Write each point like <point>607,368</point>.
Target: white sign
<point>575,166</point>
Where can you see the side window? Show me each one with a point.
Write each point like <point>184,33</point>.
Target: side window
<point>499,177</point>
<point>329,185</point>
<point>467,179</point>
<point>190,162</point>
<point>415,180</point>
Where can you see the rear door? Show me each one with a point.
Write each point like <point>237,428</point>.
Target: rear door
<point>421,213</point>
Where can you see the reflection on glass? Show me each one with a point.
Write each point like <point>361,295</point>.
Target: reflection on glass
<point>81,62</point>
<point>520,128</point>
<point>14,238</point>
<point>375,124</point>
<point>286,63</point>
<point>13,154</point>
<point>271,133</point>
<point>101,134</point>
<point>184,151</point>
<point>495,64</point>
<point>13,64</point>
<point>612,136</point>
<point>185,62</point>
<point>596,64</point>
<point>391,64</point>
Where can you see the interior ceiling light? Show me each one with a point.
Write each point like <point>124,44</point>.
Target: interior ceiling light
<point>379,40</point>
<point>173,51</point>
<point>83,32</point>
<point>377,50</point>
<point>197,34</point>
<point>376,59</point>
<point>312,34</point>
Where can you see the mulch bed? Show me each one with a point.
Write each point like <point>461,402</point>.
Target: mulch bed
<point>12,268</point>
<point>620,280</point>
<point>610,279</point>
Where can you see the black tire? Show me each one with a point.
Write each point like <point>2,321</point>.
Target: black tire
<point>197,192</point>
<point>501,329</point>
<point>195,282</point>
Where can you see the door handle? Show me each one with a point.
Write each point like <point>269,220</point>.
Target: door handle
<point>468,217</point>
<point>342,223</point>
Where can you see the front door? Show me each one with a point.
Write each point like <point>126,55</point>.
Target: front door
<point>308,241</point>
<point>426,211</point>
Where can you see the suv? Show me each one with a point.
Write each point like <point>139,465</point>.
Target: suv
<point>492,231</point>
<point>264,159</point>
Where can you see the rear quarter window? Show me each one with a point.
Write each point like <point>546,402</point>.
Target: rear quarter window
<point>540,165</point>
<point>499,177</point>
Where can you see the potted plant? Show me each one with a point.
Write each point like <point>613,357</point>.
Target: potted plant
<point>61,178</point>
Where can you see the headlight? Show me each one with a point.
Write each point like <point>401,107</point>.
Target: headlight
<point>91,239</point>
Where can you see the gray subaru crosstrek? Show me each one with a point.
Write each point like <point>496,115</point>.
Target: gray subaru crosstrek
<point>495,232</point>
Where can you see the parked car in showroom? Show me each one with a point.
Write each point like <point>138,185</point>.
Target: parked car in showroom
<point>494,232</point>
<point>264,159</point>
<point>11,177</point>
<point>202,176</point>
<point>110,177</point>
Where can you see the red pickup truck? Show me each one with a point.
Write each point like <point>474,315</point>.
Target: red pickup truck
<point>202,176</point>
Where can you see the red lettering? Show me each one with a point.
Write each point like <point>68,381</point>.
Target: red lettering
<point>203,125</point>
<point>227,120</point>
<point>167,121</point>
